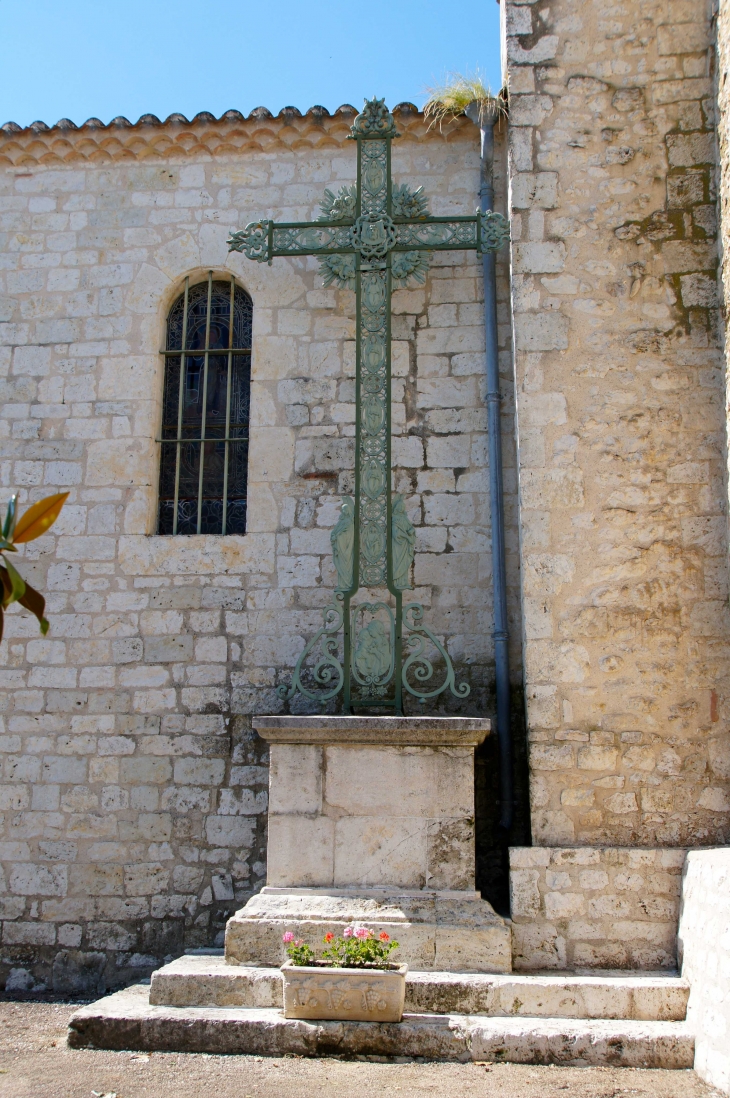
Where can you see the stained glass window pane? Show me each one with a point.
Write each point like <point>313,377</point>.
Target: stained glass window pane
<point>213,392</point>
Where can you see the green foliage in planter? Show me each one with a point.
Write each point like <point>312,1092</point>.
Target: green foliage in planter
<point>356,947</point>
<point>298,952</point>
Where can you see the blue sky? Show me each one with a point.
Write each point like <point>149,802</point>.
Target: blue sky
<point>83,58</point>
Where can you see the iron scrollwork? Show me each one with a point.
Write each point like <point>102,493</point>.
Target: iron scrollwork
<point>328,671</point>
<point>373,649</point>
<point>339,207</point>
<point>309,239</point>
<point>340,269</point>
<point>418,661</point>
<point>254,241</point>
<point>493,231</point>
<point>442,235</point>
<point>342,540</point>
<point>374,120</point>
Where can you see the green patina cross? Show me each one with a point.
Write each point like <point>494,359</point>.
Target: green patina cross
<point>372,237</point>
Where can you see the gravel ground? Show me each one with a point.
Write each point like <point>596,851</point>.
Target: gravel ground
<point>35,1063</point>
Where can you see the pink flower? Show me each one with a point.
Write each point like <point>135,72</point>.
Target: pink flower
<point>287,936</point>
<point>347,932</point>
<point>363,932</point>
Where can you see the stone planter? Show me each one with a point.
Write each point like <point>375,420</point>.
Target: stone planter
<point>344,994</point>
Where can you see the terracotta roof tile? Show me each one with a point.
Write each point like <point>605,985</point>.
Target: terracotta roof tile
<point>204,136</point>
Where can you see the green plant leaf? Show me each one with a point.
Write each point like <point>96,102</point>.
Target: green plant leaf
<point>9,524</point>
<point>17,583</point>
<point>33,600</point>
<point>38,518</point>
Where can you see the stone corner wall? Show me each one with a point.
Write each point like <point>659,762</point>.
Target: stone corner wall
<point>588,907</point>
<point>622,425</point>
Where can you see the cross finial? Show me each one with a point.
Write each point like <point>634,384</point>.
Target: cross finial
<point>374,120</point>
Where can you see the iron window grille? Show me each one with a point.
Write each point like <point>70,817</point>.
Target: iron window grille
<point>205,413</point>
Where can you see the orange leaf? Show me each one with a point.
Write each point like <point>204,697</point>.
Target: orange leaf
<point>38,518</point>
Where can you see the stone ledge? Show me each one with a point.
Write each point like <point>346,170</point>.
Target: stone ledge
<point>127,1021</point>
<point>206,980</point>
<point>383,731</point>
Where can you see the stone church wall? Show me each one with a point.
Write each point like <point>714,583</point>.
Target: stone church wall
<point>134,800</point>
<point>621,414</point>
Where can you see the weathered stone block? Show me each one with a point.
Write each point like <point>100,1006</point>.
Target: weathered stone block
<point>301,851</point>
<point>26,879</point>
<point>541,332</point>
<point>532,190</point>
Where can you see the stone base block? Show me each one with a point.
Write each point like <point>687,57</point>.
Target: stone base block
<point>126,1020</point>
<point>371,802</point>
<point>446,931</point>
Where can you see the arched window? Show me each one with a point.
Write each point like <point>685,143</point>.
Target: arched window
<point>204,460</point>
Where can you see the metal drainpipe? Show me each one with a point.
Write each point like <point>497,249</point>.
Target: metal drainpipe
<point>485,115</point>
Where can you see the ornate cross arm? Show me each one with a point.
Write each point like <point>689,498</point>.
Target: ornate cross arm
<point>485,232</point>
<point>265,240</point>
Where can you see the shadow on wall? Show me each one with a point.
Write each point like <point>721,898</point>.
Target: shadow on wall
<point>492,841</point>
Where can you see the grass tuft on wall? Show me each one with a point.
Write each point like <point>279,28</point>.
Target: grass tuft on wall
<point>451,99</point>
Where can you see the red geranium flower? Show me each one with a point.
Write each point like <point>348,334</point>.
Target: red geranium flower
<point>328,937</point>
<point>384,937</point>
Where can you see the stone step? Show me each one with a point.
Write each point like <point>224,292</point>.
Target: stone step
<point>206,980</point>
<point>126,1020</point>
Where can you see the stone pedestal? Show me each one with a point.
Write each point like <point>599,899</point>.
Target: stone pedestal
<point>371,820</point>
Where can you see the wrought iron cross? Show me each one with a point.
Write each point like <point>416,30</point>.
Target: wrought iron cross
<point>372,237</point>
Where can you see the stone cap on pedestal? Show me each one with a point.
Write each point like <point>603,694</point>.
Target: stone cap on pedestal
<point>384,731</point>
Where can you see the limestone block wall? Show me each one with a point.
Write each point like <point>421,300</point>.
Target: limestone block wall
<point>621,418</point>
<point>704,946</point>
<point>582,907</point>
<point>134,800</point>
